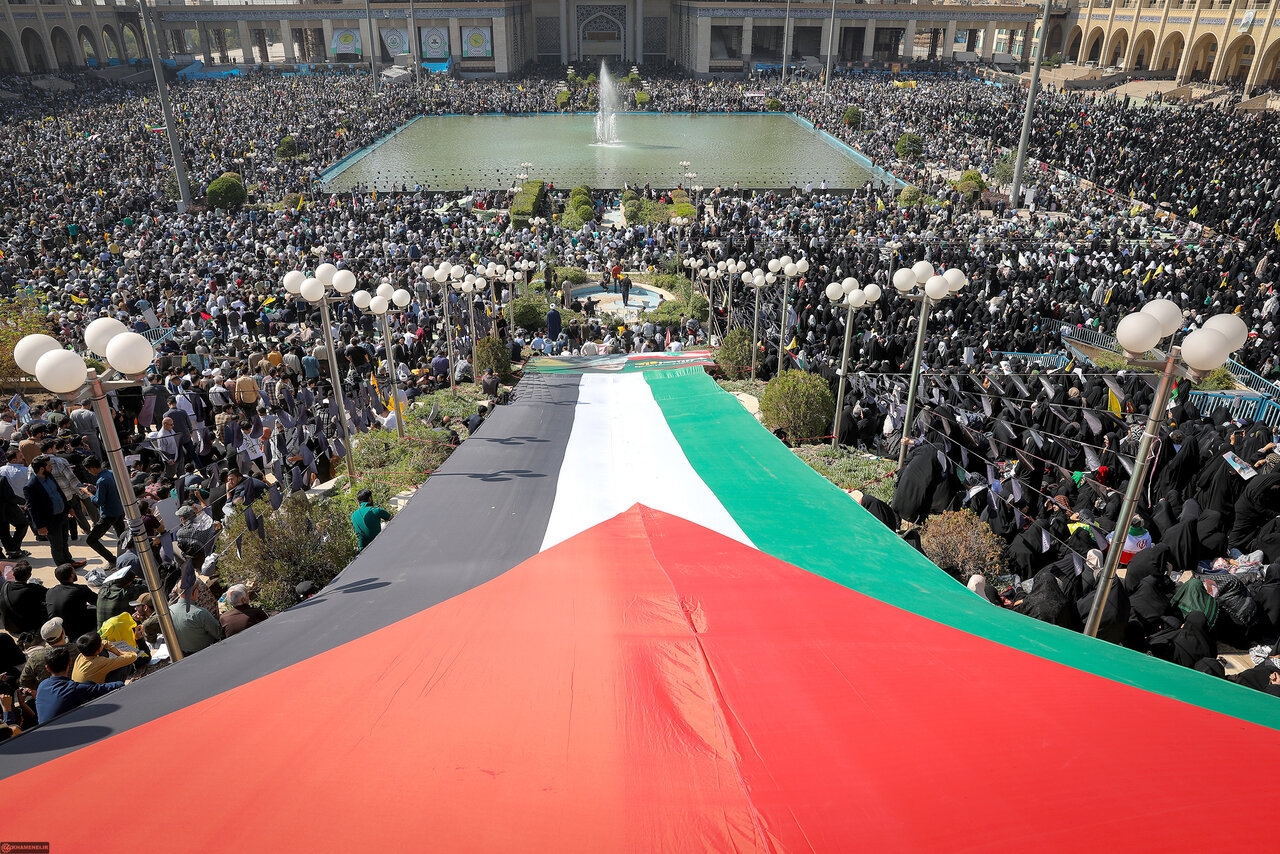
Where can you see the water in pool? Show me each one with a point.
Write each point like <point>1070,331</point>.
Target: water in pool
<point>452,152</point>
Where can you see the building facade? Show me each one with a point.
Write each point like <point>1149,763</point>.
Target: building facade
<point>1215,41</point>
<point>503,36</point>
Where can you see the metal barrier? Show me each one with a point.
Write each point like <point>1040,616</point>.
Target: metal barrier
<point>1241,374</point>
<point>160,333</point>
<point>1245,406</point>
<point>1047,360</point>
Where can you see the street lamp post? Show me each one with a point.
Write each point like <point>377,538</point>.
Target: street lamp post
<point>170,126</point>
<point>1202,351</point>
<point>315,291</point>
<point>789,270</point>
<point>756,279</point>
<point>378,305</point>
<point>65,373</point>
<point>934,288</point>
<point>441,274</point>
<point>831,41</point>
<point>848,294</point>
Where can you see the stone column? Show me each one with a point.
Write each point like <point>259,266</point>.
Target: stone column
<point>869,41</point>
<point>564,32</point>
<point>949,41</point>
<point>909,41</point>
<point>639,32</point>
<point>747,40</point>
<point>286,37</point>
<point>989,40</point>
<point>326,27</point>
<point>246,42</point>
<point>501,46</point>
<point>702,42</point>
<point>455,39</point>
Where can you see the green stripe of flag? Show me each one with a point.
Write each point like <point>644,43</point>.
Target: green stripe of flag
<point>794,514</point>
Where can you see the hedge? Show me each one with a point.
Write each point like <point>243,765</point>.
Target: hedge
<point>226,192</point>
<point>798,403</point>
<point>529,312</point>
<point>528,202</point>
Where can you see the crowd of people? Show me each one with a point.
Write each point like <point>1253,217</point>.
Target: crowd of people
<point>1125,204</point>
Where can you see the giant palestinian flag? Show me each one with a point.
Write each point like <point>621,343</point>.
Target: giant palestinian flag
<point>623,617</point>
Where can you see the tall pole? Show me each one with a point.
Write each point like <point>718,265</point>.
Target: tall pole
<point>1020,164</point>
<point>1136,481</point>
<point>119,471</point>
<point>831,40</point>
<point>782,326</point>
<point>171,129</point>
<point>755,333</point>
<point>391,375</point>
<point>414,45</point>
<point>844,373</point>
<point>915,378</point>
<point>335,382</point>
<point>373,46</point>
<point>786,30</point>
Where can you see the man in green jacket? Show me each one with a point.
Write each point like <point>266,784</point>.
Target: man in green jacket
<point>367,519</point>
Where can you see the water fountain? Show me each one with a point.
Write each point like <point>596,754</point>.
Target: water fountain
<point>606,118</point>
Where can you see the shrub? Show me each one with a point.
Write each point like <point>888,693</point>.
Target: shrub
<point>631,211</point>
<point>773,105</point>
<point>287,148</point>
<point>910,146</point>
<point>591,79</point>
<point>574,79</point>
<point>853,116</point>
<point>562,99</point>
<point>685,209</point>
<point>529,312</point>
<point>492,353</point>
<point>1054,60</point>
<point>592,100</point>
<point>734,356</point>
<point>909,196</point>
<point>799,403</point>
<point>586,213</point>
<point>291,201</point>
<point>225,192</point>
<point>171,189</point>
<point>305,541</point>
<point>969,191</point>
<point>642,99</point>
<point>572,275</point>
<point>962,544</point>
<point>630,196</point>
<point>633,79</point>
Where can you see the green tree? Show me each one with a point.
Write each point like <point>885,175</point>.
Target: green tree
<point>1002,172</point>
<point>305,541</point>
<point>642,100</point>
<point>287,148</point>
<point>492,353</point>
<point>562,99</point>
<point>909,196</point>
<point>910,146</point>
<point>853,117</point>
<point>799,403</point>
<point>734,355</point>
<point>773,105</point>
<point>226,192</point>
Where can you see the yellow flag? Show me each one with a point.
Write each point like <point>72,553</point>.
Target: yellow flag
<point>792,345</point>
<point>1135,210</point>
<point>879,203</point>
<point>299,201</point>
<point>77,300</point>
<point>1277,229</point>
<point>1113,403</point>
<point>1194,211</point>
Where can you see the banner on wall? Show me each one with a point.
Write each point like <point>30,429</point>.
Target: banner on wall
<point>435,42</point>
<point>477,42</point>
<point>345,41</point>
<point>396,39</point>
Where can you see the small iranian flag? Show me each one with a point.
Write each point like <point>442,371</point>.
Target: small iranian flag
<point>155,128</point>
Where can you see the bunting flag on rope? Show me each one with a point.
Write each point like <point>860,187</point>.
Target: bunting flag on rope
<point>624,617</point>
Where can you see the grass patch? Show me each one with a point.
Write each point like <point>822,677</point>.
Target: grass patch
<point>850,469</point>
